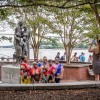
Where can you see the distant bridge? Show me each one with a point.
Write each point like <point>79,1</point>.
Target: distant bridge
<point>4,57</point>
<point>6,34</point>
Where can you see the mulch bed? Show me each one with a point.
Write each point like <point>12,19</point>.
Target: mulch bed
<point>82,94</point>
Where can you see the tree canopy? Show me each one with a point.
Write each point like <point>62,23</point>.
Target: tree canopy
<point>70,19</point>
<point>47,3</point>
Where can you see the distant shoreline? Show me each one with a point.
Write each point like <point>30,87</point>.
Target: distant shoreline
<point>49,48</point>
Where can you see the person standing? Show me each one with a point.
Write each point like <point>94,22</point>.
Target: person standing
<point>58,55</point>
<point>82,57</point>
<point>58,71</point>
<point>74,57</point>
<point>63,57</point>
<point>90,59</point>
<point>96,59</point>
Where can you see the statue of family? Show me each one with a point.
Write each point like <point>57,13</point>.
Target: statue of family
<point>21,41</point>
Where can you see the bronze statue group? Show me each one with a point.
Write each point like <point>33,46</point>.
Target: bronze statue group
<point>21,41</point>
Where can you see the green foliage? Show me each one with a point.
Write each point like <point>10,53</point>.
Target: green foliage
<point>94,33</point>
<point>51,44</point>
<point>92,29</point>
<point>82,45</point>
<point>66,22</point>
<point>4,13</point>
<point>86,9</point>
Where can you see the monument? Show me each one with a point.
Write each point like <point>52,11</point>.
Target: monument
<point>21,41</point>
<point>11,73</point>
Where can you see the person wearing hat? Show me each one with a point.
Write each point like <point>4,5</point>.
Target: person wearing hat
<point>36,73</point>
<point>96,58</point>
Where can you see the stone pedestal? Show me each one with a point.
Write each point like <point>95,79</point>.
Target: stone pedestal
<point>10,74</point>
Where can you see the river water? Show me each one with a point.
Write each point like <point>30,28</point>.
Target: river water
<point>50,53</point>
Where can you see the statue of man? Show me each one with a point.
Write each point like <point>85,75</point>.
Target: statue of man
<point>17,41</point>
<point>21,41</point>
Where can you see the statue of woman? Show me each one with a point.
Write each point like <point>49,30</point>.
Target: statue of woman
<point>26,38</point>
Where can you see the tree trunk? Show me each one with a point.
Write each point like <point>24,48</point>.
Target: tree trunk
<point>94,7</point>
<point>66,54</point>
<point>69,54</point>
<point>36,51</point>
<point>68,51</point>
